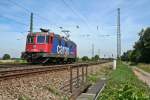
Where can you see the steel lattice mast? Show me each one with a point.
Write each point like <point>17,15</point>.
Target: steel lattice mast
<point>31,22</point>
<point>118,35</point>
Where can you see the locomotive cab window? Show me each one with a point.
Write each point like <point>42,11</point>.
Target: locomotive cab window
<point>40,39</point>
<point>30,39</point>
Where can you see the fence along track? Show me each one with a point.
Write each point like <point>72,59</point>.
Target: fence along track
<point>77,85</point>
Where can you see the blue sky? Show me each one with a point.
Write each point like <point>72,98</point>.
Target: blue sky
<point>87,14</point>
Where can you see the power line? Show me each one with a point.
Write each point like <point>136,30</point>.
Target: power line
<point>13,31</point>
<point>19,6</point>
<point>47,20</point>
<point>85,18</point>
<point>82,16</point>
<point>29,11</point>
<point>76,13</point>
<point>14,20</point>
<point>20,23</point>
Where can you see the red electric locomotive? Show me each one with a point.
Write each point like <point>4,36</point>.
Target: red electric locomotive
<point>46,47</point>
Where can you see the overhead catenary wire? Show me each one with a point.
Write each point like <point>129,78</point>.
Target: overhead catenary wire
<point>21,23</point>
<point>35,13</point>
<point>82,16</point>
<point>16,21</point>
<point>47,20</point>
<point>29,11</point>
<point>19,6</point>
<point>76,13</point>
<point>85,18</point>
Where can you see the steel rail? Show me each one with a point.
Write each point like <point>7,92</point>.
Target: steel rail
<point>4,74</point>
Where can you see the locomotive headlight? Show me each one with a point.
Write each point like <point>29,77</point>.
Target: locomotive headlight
<point>34,46</point>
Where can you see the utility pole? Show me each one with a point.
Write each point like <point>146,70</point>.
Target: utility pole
<point>92,50</point>
<point>118,35</point>
<point>31,22</point>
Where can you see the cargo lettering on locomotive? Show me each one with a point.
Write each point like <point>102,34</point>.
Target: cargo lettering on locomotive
<point>62,50</point>
<point>59,49</point>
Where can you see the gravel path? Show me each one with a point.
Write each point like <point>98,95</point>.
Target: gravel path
<point>38,86</point>
<point>142,75</point>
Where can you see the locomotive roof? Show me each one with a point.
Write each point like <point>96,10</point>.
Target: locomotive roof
<point>48,33</point>
<point>40,33</point>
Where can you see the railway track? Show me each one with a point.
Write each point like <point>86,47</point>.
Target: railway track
<point>9,73</point>
<point>22,70</point>
<point>11,65</point>
<point>69,80</point>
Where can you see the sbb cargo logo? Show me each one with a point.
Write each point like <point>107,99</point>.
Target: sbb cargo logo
<point>62,50</point>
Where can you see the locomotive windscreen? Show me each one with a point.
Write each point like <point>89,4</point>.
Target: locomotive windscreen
<point>40,39</point>
<point>30,39</point>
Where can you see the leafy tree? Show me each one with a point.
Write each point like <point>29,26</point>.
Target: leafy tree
<point>85,58</point>
<point>142,46</point>
<point>78,59</point>
<point>93,58</point>
<point>126,55</point>
<point>145,51</point>
<point>141,51</point>
<point>6,56</point>
<point>97,57</point>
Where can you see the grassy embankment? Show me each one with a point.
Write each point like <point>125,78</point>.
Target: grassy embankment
<point>101,73</point>
<point>145,67</point>
<point>124,85</point>
<point>17,61</point>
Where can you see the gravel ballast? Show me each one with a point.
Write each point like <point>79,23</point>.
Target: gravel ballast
<point>38,86</point>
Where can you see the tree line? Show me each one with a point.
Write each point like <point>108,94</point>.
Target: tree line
<point>86,58</point>
<point>141,48</point>
<point>6,57</point>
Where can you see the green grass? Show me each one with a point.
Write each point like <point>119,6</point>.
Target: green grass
<point>52,90</point>
<point>23,97</point>
<point>102,73</point>
<point>124,85</point>
<point>56,92</point>
<point>145,67</point>
<point>17,61</point>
